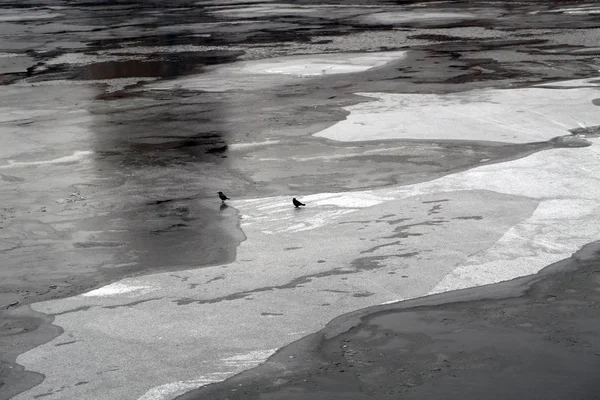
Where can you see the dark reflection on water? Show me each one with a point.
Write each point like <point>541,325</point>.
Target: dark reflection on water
<point>167,150</point>
<point>159,65</point>
<point>137,68</point>
<point>160,155</point>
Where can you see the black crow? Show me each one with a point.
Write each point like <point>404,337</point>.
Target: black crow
<point>223,197</point>
<point>297,203</point>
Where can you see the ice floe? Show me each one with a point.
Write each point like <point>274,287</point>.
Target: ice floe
<point>260,73</point>
<point>118,289</point>
<point>499,115</point>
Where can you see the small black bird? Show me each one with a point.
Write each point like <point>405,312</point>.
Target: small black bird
<point>297,203</point>
<point>223,197</point>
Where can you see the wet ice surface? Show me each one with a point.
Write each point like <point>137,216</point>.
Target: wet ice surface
<point>117,133</point>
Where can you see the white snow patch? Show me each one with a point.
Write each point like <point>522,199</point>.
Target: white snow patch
<point>73,158</point>
<point>244,146</point>
<point>275,215</point>
<point>347,200</point>
<point>120,288</point>
<point>250,359</point>
<point>391,301</point>
<point>283,218</point>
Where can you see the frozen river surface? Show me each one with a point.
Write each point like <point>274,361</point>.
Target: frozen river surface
<point>437,147</point>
